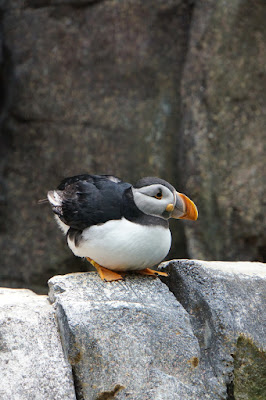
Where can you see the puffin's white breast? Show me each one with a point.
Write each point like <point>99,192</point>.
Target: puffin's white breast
<point>122,245</point>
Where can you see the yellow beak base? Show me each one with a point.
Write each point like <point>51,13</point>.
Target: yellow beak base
<point>170,207</point>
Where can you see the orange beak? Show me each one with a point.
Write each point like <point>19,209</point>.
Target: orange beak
<point>184,208</point>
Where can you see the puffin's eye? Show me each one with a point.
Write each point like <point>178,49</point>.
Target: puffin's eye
<point>159,195</point>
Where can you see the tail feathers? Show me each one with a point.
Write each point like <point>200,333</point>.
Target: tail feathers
<point>54,198</point>
<point>41,201</point>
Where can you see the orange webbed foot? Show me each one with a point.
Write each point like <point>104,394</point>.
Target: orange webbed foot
<point>105,273</point>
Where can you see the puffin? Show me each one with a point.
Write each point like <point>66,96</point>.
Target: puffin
<point>119,227</point>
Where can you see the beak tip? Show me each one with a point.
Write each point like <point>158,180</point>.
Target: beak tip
<point>191,211</point>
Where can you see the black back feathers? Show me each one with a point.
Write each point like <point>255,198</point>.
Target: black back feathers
<point>91,199</point>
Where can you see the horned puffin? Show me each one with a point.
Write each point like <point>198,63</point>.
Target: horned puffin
<point>119,227</point>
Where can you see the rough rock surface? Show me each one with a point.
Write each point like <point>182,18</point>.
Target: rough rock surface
<point>222,152</point>
<point>226,304</point>
<point>131,338</point>
<point>135,340</point>
<point>32,363</point>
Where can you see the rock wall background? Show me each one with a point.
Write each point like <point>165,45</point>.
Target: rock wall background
<point>223,129</point>
<point>170,88</point>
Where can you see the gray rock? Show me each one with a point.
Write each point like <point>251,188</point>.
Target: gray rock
<point>128,338</point>
<point>136,340</point>
<point>32,363</point>
<point>222,152</point>
<point>226,304</point>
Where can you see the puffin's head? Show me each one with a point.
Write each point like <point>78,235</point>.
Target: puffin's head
<point>155,196</point>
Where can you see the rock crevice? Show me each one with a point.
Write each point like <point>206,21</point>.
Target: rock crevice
<point>136,339</point>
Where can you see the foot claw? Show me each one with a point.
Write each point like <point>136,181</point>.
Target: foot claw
<point>151,272</point>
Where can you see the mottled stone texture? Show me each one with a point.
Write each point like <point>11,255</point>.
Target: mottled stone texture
<point>32,362</point>
<point>173,88</point>
<point>226,305</point>
<point>223,132</point>
<point>135,340</point>
<point>131,338</point>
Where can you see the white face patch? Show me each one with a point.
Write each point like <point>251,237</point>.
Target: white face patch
<point>153,199</point>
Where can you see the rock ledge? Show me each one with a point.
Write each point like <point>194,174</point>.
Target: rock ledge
<point>136,339</point>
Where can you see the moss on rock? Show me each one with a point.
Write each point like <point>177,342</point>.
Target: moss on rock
<point>250,371</point>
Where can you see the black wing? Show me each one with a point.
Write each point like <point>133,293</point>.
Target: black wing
<point>90,200</point>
